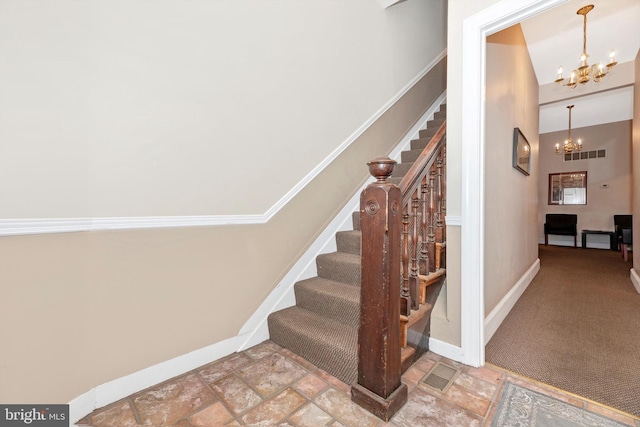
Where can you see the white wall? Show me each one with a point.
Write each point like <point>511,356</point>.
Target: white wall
<point>116,108</point>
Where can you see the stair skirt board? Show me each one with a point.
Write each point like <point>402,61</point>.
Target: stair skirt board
<point>323,326</point>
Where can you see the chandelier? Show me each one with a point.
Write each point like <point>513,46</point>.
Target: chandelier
<point>568,145</point>
<point>586,72</point>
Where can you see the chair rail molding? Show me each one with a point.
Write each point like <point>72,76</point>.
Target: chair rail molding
<point>14,227</point>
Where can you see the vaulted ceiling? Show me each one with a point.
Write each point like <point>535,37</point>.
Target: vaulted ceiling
<point>555,38</point>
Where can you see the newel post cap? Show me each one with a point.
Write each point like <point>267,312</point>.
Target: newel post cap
<point>381,168</point>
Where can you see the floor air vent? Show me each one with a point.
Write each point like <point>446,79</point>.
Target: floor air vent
<point>440,377</point>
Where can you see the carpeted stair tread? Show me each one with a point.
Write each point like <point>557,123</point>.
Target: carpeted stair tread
<point>349,241</point>
<point>328,344</point>
<point>339,266</point>
<point>335,300</point>
<point>395,180</point>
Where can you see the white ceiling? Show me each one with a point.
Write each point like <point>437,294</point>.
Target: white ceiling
<point>554,39</point>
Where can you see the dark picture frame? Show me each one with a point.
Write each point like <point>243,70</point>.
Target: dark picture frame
<point>568,188</point>
<point>521,152</point>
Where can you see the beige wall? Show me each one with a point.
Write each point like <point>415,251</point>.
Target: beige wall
<point>636,164</point>
<point>81,309</point>
<point>511,198</point>
<point>613,170</point>
<point>118,108</point>
<point>447,328</point>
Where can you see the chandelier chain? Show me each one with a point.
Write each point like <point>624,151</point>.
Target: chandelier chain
<point>584,35</point>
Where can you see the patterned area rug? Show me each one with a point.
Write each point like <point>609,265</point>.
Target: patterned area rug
<point>526,408</point>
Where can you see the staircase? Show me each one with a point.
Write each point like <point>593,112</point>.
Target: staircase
<point>323,325</point>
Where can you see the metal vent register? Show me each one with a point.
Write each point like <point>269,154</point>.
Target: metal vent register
<point>440,377</point>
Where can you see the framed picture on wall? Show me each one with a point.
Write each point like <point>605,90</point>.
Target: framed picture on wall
<point>568,188</point>
<point>521,152</point>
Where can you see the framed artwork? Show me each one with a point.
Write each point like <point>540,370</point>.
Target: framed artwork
<point>568,188</point>
<point>521,152</point>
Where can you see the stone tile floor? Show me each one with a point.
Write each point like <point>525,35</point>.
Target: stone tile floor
<point>267,385</point>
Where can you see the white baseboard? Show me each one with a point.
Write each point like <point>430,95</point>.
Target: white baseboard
<point>635,279</point>
<point>445,349</point>
<point>122,387</point>
<point>568,241</point>
<point>499,313</point>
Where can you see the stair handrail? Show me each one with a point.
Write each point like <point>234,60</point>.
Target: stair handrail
<point>385,211</point>
<point>424,160</point>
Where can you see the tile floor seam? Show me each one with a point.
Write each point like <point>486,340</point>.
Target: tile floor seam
<point>494,401</point>
<point>438,395</point>
<point>288,417</point>
<point>265,398</point>
<point>136,415</point>
<point>220,400</point>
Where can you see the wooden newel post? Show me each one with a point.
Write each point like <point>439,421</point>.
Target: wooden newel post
<point>379,388</point>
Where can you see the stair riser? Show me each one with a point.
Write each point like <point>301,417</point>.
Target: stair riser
<point>426,134</point>
<point>334,307</point>
<point>401,169</point>
<point>344,272</point>
<point>410,156</point>
<point>348,242</point>
<point>335,353</point>
<point>355,218</point>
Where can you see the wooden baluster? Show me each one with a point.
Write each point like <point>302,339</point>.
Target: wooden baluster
<point>443,186</point>
<point>439,219</point>
<point>431,237</point>
<point>424,250</point>
<point>405,292</point>
<point>414,281</point>
<point>379,389</point>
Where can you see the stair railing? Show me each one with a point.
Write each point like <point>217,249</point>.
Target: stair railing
<point>423,191</point>
<point>402,227</point>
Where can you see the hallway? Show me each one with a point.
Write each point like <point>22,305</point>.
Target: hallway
<point>267,385</point>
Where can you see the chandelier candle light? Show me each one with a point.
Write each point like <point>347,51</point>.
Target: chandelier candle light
<point>568,145</point>
<point>586,72</point>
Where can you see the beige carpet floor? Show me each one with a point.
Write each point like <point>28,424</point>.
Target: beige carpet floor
<point>576,327</point>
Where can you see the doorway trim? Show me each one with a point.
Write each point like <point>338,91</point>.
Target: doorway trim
<point>475,30</point>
